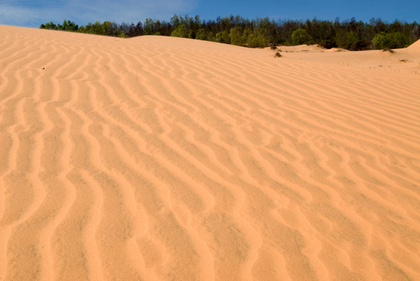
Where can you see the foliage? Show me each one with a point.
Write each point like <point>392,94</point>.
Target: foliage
<point>200,34</point>
<point>67,26</point>
<point>236,36</point>
<point>180,31</point>
<point>262,32</point>
<point>122,34</point>
<point>348,40</point>
<point>389,40</point>
<point>300,36</point>
<point>257,39</point>
<point>223,37</point>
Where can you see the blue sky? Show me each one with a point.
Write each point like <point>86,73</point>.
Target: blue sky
<point>31,13</point>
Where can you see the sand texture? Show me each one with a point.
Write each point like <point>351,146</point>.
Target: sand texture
<point>159,158</point>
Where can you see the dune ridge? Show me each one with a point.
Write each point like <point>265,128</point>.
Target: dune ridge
<point>157,158</point>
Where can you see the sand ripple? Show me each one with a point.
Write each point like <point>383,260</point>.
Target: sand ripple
<point>159,158</point>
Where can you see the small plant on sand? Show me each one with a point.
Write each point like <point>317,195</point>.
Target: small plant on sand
<point>277,55</point>
<point>388,50</point>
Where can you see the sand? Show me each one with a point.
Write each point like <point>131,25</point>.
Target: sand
<point>159,158</point>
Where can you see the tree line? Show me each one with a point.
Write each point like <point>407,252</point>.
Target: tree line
<point>263,32</point>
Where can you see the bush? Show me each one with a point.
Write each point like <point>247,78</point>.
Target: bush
<point>257,39</point>
<point>180,31</point>
<point>387,41</point>
<point>223,37</point>
<point>200,34</point>
<point>327,43</point>
<point>122,34</point>
<point>380,41</point>
<point>301,36</point>
<point>352,40</point>
<point>211,36</point>
<point>236,36</point>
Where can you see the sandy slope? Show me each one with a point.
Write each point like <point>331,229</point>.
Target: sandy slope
<point>159,158</point>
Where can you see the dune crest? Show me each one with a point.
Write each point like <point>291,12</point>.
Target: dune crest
<point>415,45</point>
<point>158,158</point>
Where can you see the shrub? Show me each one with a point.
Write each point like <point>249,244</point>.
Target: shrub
<point>223,37</point>
<point>352,40</point>
<point>327,43</point>
<point>200,34</point>
<point>380,41</point>
<point>236,36</point>
<point>122,34</point>
<point>211,36</point>
<point>389,40</point>
<point>398,40</point>
<point>180,31</point>
<point>257,39</point>
<point>301,36</point>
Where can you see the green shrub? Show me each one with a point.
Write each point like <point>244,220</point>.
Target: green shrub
<point>389,40</point>
<point>257,39</point>
<point>301,36</point>
<point>122,34</point>
<point>211,36</point>
<point>223,37</point>
<point>327,43</point>
<point>352,39</point>
<point>236,37</point>
<point>380,41</point>
<point>200,34</point>
<point>180,31</point>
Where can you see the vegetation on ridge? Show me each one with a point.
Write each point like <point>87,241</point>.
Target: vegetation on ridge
<point>262,32</point>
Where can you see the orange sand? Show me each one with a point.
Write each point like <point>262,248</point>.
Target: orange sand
<point>158,158</point>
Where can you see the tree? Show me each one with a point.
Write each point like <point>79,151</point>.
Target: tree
<point>200,34</point>
<point>301,36</point>
<point>223,37</point>
<point>180,31</point>
<point>236,36</point>
<point>390,40</point>
<point>149,27</point>
<point>49,25</point>
<point>349,34</point>
<point>257,39</point>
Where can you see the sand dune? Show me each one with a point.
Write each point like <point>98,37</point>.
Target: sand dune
<point>158,158</point>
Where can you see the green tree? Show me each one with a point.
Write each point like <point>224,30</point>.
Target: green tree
<point>380,41</point>
<point>352,40</point>
<point>300,36</point>
<point>200,34</point>
<point>236,36</point>
<point>49,25</point>
<point>149,27</point>
<point>180,31</point>
<point>257,39</point>
<point>223,37</point>
<point>390,40</point>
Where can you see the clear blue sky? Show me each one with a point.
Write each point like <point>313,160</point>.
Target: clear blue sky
<point>31,13</point>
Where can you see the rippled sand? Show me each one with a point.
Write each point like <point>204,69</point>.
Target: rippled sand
<point>158,158</point>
